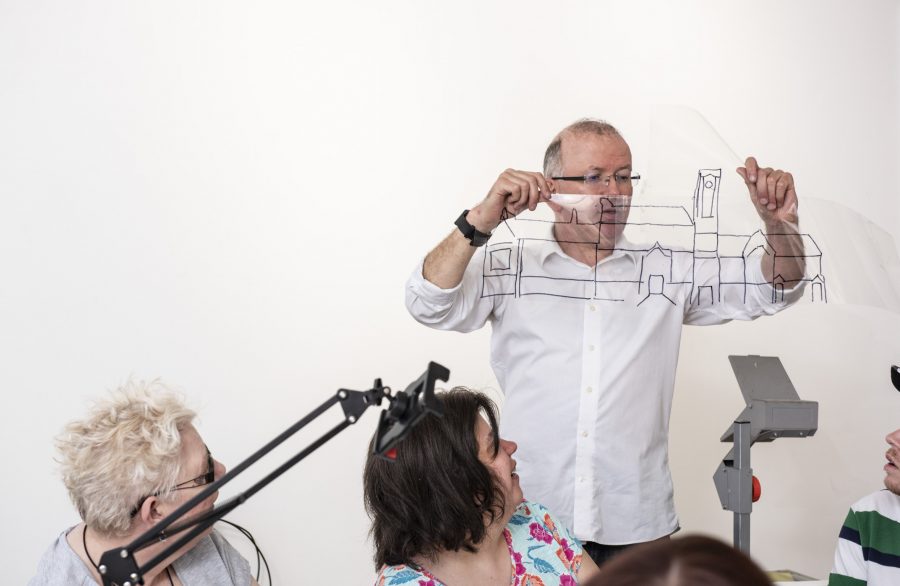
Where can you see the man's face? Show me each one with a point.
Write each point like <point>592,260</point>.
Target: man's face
<point>892,468</point>
<point>607,205</point>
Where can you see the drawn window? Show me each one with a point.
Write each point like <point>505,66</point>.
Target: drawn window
<point>707,196</point>
<point>817,292</point>
<point>705,295</point>
<point>500,259</point>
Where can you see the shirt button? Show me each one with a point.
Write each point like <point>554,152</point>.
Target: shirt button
<point>593,307</point>
<point>589,390</point>
<point>584,434</point>
<point>590,347</point>
<point>581,479</point>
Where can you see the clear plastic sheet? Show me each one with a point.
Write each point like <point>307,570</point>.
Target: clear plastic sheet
<point>691,231</point>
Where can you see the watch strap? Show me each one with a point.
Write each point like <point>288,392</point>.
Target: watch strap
<point>472,234</point>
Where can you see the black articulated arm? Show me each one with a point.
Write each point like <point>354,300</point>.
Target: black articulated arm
<point>118,567</point>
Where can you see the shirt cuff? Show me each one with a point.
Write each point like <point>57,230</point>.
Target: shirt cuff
<point>425,289</point>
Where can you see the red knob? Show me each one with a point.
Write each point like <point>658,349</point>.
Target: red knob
<point>757,489</point>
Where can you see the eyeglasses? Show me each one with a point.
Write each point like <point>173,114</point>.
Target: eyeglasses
<point>207,477</point>
<point>623,180</point>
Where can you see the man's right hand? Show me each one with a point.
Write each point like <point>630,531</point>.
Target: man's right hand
<point>515,191</point>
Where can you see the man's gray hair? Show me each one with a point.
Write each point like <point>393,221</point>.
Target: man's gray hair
<point>553,157</point>
<point>127,448</point>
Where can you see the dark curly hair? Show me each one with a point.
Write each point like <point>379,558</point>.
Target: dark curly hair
<point>437,495</point>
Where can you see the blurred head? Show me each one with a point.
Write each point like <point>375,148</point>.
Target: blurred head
<point>892,468</point>
<point>453,477</point>
<point>687,561</point>
<point>134,458</point>
<point>553,156</point>
<point>594,149</point>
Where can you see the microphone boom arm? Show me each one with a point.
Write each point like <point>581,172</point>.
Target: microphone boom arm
<point>118,567</point>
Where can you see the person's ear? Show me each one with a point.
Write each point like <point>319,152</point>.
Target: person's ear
<point>151,510</point>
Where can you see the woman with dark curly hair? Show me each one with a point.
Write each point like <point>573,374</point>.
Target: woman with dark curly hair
<point>448,510</point>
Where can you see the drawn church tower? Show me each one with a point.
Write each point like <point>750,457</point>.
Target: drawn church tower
<point>706,236</point>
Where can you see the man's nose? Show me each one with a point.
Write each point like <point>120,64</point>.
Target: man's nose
<point>612,188</point>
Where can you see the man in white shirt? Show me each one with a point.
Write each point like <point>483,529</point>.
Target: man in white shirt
<point>588,369</point>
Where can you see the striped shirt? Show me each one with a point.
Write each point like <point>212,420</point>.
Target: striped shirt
<point>868,550</point>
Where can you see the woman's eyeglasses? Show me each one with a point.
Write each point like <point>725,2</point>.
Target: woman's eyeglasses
<point>207,477</point>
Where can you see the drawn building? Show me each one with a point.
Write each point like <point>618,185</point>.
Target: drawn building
<point>678,249</point>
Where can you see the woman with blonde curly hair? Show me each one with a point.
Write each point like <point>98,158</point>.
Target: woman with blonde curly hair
<point>133,460</point>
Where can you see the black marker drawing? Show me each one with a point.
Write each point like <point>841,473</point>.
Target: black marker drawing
<point>681,252</point>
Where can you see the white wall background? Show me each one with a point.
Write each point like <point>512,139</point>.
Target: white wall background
<point>230,196</point>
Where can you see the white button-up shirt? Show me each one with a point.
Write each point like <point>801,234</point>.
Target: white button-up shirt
<point>586,359</point>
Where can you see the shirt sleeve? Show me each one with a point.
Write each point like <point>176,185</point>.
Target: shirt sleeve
<point>460,309</point>
<point>238,567</point>
<point>61,566</point>
<point>401,575</point>
<point>742,295</point>
<point>569,545</point>
<point>849,564</point>
<point>213,562</point>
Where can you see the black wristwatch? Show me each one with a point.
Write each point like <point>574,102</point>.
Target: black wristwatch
<point>472,234</point>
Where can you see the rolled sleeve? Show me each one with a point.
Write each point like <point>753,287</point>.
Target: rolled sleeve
<point>741,298</point>
<point>459,309</point>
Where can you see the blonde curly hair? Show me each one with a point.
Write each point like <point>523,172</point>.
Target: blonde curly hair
<point>128,447</point>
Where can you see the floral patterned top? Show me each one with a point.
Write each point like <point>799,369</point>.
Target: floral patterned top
<point>542,553</point>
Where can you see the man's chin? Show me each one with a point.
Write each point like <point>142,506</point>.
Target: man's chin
<point>609,238</point>
<point>892,485</point>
